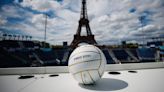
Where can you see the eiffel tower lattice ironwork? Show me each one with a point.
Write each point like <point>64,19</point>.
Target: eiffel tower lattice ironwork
<point>83,22</point>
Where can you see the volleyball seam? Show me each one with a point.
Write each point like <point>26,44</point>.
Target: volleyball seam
<point>83,62</point>
<point>90,76</point>
<point>83,52</point>
<point>84,71</point>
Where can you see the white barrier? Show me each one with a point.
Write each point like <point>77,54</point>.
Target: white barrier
<point>64,69</point>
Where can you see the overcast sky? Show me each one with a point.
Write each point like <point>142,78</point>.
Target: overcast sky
<point>111,21</point>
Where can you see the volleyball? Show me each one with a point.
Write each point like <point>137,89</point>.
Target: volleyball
<point>87,64</point>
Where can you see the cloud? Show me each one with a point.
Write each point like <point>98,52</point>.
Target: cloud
<point>43,5</point>
<point>123,25</point>
<point>111,21</point>
<point>2,20</point>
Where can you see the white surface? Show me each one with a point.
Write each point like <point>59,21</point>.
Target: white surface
<point>87,64</point>
<point>64,69</point>
<point>149,80</point>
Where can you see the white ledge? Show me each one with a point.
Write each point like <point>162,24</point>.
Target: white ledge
<point>64,69</point>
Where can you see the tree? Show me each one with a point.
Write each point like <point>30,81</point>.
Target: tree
<point>22,37</point>
<point>26,37</point>
<point>4,36</point>
<point>18,37</point>
<point>30,37</point>
<point>14,36</point>
<point>9,36</point>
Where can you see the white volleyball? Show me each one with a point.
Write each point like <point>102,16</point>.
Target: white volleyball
<point>87,64</point>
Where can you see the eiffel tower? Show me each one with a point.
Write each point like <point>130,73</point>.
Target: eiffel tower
<point>83,22</point>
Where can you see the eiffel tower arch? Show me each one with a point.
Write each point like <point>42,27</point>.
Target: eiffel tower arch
<point>83,22</point>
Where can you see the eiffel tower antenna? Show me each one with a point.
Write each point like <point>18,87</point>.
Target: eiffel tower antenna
<point>83,22</point>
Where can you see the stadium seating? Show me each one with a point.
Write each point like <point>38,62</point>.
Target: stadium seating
<point>146,54</point>
<point>108,57</point>
<point>134,52</point>
<point>9,44</point>
<point>7,59</point>
<point>121,55</point>
<point>28,44</point>
<point>65,59</point>
<point>14,53</point>
<point>60,53</point>
<point>48,56</point>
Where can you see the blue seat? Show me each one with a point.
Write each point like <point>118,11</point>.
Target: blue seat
<point>146,54</point>
<point>121,54</point>
<point>134,52</point>
<point>108,57</point>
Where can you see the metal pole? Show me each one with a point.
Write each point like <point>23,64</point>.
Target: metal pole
<point>45,27</point>
<point>141,20</point>
<point>45,30</point>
